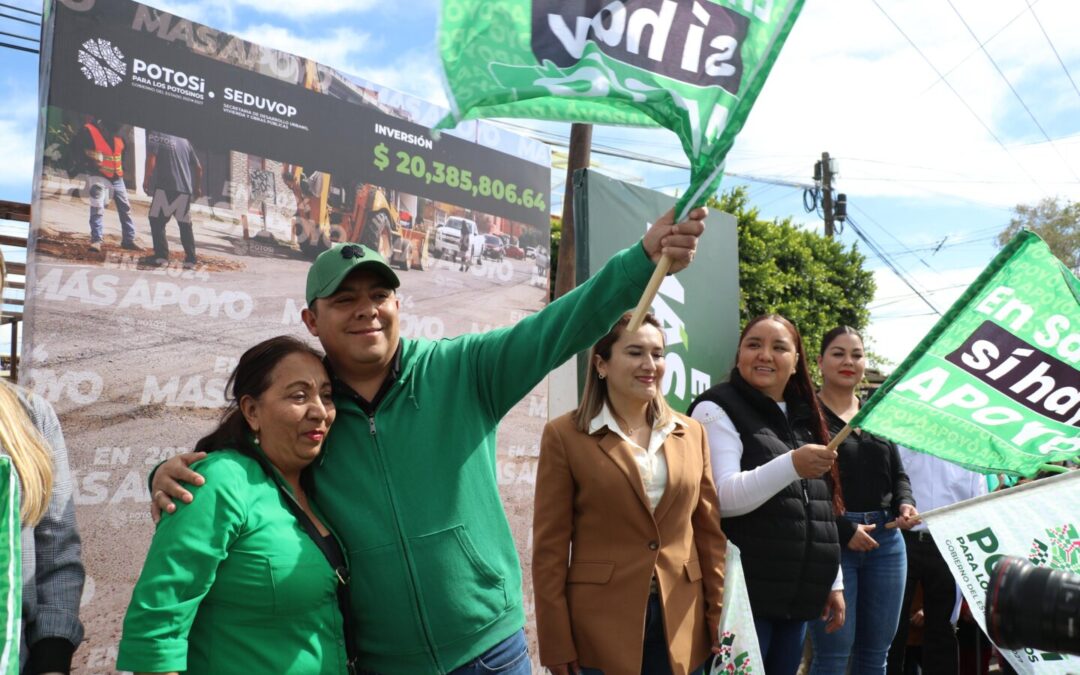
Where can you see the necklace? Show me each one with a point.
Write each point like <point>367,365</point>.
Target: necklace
<point>627,429</point>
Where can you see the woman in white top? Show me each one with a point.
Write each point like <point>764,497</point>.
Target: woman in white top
<point>628,554</point>
<point>776,484</point>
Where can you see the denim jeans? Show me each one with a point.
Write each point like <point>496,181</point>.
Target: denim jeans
<point>781,643</point>
<point>99,188</point>
<point>654,653</point>
<point>873,591</point>
<point>509,657</point>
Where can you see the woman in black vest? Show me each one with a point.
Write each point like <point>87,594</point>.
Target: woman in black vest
<point>766,439</point>
<point>876,491</point>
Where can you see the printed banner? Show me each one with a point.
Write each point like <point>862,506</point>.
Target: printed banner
<point>1038,521</point>
<point>740,653</point>
<point>695,68</point>
<point>10,569</point>
<point>698,308</point>
<point>186,178</point>
<point>993,386</point>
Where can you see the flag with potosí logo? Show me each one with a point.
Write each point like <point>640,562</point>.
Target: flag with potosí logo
<point>740,652</point>
<point>10,570</point>
<point>692,66</point>
<point>1037,521</point>
<point>995,385</point>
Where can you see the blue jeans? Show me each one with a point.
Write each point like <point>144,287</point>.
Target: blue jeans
<point>781,643</point>
<point>509,657</point>
<point>654,653</point>
<point>873,590</point>
<point>99,188</point>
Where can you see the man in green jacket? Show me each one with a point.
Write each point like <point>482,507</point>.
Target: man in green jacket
<point>408,474</point>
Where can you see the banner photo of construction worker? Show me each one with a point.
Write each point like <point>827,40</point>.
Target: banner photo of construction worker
<point>186,179</point>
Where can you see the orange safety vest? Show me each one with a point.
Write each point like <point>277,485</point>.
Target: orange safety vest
<point>108,159</point>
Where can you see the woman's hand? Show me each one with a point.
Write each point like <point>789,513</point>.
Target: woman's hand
<point>571,668</point>
<point>861,540</point>
<point>908,517</point>
<point>811,460</point>
<point>168,483</point>
<point>834,611</point>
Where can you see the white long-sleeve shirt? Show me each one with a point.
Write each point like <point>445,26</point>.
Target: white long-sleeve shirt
<point>740,492</point>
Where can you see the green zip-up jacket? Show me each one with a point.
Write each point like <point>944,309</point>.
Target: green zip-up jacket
<point>412,490</point>
<point>233,584</point>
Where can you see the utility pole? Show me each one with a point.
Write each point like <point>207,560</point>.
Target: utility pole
<point>580,152</point>
<point>832,210</point>
<point>826,194</point>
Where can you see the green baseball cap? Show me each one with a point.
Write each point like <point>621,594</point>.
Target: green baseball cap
<point>341,260</point>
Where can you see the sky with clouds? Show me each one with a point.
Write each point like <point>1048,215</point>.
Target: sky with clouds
<point>942,114</point>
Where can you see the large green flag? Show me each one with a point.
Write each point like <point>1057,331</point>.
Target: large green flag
<point>994,386</point>
<point>693,66</point>
<point>10,570</point>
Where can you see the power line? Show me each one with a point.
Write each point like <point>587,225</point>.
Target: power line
<point>33,13</point>
<point>894,238</point>
<point>1031,8</point>
<point>1013,89</point>
<point>21,37</point>
<point>18,18</point>
<point>874,248</point>
<point>957,94</point>
<point>19,48</point>
<point>975,51</point>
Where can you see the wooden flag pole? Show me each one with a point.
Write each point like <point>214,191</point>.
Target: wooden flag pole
<point>650,294</point>
<point>839,438</point>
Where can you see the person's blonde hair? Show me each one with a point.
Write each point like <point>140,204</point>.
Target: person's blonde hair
<point>24,445</point>
<point>595,394</point>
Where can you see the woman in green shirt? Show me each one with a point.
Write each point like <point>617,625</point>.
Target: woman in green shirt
<point>247,578</point>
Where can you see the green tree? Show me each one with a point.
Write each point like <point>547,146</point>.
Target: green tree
<point>809,278</point>
<point>1056,221</point>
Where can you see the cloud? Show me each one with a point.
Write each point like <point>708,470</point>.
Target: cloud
<point>18,128</point>
<point>899,319</point>
<point>850,83</point>
<point>416,72</point>
<point>338,48</point>
<point>296,9</point>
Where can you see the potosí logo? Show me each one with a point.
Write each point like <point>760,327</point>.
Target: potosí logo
<point>170,77</point>
<point>259,102</point>
<point>102,62</point>
<point>695,42</point>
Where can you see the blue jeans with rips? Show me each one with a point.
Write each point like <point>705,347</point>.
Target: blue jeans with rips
<point>99,188</point>
<point>873,590</point>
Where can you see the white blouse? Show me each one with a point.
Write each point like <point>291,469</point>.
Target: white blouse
<point>740,492</point>
<point>651,462</point>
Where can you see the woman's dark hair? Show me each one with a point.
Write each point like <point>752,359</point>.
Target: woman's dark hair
<point>801,388</point>
<point>251,377</point>
<point>828,338</point>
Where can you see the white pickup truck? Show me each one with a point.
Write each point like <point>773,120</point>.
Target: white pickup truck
<point>448,238</point>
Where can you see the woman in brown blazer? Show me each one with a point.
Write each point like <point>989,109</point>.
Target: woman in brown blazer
<point>628,555</point>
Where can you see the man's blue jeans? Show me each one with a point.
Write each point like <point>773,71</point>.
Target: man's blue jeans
<point>509,657</point>
<point>873,590</point>
<point>99,188</point>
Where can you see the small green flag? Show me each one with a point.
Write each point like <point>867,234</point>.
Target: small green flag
<point>995,385</point>
<point>10,570</point>
<point>693,66</point>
